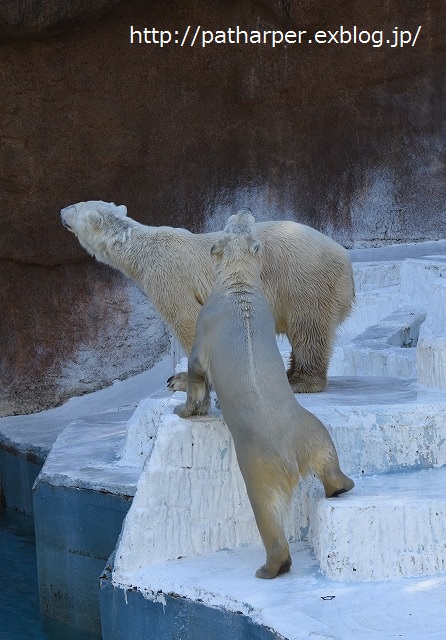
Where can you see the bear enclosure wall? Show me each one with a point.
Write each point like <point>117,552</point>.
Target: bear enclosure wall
<point>348,138</point>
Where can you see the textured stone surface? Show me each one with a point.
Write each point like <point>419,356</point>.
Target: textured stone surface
<point>68,330</point>
<point>347,138</point>
<point>389,527</point>
<point>35,16</point>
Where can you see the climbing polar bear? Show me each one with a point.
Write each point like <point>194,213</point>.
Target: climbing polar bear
<point>235,349</point>
<point>307,279</point>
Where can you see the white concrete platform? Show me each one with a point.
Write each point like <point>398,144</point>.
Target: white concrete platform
<point>303,604</point>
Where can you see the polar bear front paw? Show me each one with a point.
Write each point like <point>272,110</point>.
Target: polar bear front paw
<point>186,410</point>
<point>178,382</point>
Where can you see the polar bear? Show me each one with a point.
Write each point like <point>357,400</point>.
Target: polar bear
<point>307,279</point>
<point>235,349</point>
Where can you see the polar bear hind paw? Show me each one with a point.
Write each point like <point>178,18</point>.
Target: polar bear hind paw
<point>313,384</point>
<point>336,487</point>
<point>267,573</point>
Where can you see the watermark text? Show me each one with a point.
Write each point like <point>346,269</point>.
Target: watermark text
<point>396,38</point>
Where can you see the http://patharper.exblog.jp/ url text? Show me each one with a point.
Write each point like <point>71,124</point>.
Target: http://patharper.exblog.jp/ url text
<point>197,36</point>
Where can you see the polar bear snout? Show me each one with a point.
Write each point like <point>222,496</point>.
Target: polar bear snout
<point>66,217</point>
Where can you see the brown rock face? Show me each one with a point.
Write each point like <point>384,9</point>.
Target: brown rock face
<point>349,138</point>
<point>37,16</point>
<point>70,329</point>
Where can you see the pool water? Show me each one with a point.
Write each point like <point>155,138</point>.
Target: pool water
<point>20,618</point>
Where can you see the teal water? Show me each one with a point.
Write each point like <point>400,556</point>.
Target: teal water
<point>20,618</point>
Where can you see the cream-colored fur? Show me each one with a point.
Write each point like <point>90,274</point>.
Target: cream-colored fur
<point>307,279</point>
<point>235,348</point>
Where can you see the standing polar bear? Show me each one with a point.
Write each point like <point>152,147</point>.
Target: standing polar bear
<point>307,279</point>
<point>235,349</point>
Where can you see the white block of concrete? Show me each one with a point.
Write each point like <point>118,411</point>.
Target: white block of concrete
<point>386,348</point>
<point>389,527</point>
<point>141,431</point>
<point>431,361</point>
<point>382,424</point>
<point>370,307</point>
<point>378,293</point>
<point>361,360</point>
<point>436,310</point>
<point>376,275</point>
<point>418,276</point>
<point>431,349</point>
<point>190,498</point>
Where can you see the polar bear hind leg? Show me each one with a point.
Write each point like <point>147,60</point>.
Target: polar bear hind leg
<point>315,450</point>
<point>335,482</point>
<point>311,347</point>
<point>269,490</point>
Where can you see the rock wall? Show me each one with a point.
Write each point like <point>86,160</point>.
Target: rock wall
<point>69,329</point>
<point>346,137</point>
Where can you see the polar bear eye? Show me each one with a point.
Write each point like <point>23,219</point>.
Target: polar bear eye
<point>217,249</point>
<point>253,245</point>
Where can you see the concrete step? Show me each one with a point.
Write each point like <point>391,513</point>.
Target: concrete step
<point>390,526</point>
<point>374,359</point>
<point>381,424</point>
<point>387,348</point>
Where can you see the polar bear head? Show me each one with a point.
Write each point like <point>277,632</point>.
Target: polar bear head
<point>79,216</point>
<point>96,222</point>
<point>239,235</point>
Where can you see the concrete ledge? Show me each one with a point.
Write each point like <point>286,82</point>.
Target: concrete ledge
<point>431,360</point>
<point>300,605</point>
<point>18,472</point>
<point>388,527</point>
<point>26,440</point>
<point>132,615</point>
<point>80,501</point>
<point>387,348</point>
<point>431,349</point>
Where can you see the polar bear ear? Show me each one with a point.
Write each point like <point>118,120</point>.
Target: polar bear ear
<point>120,211</point>
<point>218,247</point>
<point>253,245</point>
<point>95,219</point>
